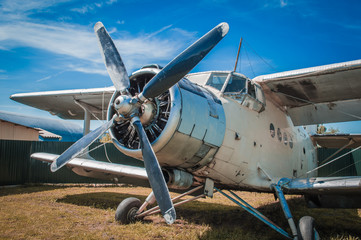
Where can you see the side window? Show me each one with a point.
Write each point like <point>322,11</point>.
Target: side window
<point>272,130</point>
<point>251,89</point>
<point>259,94</point>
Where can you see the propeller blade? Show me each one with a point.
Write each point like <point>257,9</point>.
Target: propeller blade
<point>80,145</point>
<point>183,63</point>
<point>113,61</point>
<point>155,175</point>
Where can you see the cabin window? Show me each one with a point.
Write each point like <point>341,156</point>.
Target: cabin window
<point>279,134</point>
<point>291,142</point>
<point>272,130</point>
<point>285,141</point>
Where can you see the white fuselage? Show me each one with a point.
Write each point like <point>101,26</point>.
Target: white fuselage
<point>219,125</point>
<point>252,156</point>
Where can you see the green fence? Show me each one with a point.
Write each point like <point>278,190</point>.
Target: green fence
<point>349,165</point>
<point>16,166</point>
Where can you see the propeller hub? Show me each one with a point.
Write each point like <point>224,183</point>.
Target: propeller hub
<point>125,105</point>
<point>148,111</point>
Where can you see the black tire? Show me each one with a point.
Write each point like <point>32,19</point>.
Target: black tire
<point>306,229</point>
<point>126,210</point>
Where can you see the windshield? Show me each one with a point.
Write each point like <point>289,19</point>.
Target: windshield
<point>236,84</point>
<point>217,80</point>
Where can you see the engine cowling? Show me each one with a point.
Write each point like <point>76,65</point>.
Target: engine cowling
<point>185,125</point>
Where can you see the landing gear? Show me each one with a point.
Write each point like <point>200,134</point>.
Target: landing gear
<point>127,210</point>
<point>131,209</point>
<point>306,229</point>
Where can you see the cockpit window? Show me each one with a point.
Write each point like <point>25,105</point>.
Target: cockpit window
<point>236,84</point>
<point>217,80</point>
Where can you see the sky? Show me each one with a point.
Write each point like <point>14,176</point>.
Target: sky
<point>50,44</point>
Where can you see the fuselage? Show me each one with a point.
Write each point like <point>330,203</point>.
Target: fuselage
<point>219,125</point>
<point>259,148</point>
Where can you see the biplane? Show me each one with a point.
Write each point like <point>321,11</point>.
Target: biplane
<point>214,131</point>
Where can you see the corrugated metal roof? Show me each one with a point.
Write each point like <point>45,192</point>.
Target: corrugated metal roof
<point>46,134</point>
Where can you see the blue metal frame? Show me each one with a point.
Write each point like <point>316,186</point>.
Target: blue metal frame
<point>243,204</point>
<point>285,208</point>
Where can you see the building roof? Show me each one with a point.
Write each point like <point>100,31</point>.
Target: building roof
<point>67,131</point>
<point>46,134</point>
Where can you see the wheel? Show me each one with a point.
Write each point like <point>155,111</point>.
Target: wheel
<point>126,210</point>
<point>306,229</point>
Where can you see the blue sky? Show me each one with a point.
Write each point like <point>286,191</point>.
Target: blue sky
<point>50,45</point>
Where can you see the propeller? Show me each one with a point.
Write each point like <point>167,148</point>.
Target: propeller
<point>82,144</point>
<point>156,180</point>
<point>183,63</point>
<point>113,61</point>
<point>128,108</point>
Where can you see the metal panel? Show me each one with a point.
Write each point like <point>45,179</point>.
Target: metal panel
<point>199,121</point>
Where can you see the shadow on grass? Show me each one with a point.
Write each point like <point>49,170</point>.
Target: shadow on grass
<point>233,222</point>
<point>5,191</point>
<point>101,200</point>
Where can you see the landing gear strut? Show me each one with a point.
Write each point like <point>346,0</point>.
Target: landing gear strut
<point>305,230</point>
<point>131,209</point>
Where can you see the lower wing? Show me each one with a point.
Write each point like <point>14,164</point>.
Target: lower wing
<point>118,173</point>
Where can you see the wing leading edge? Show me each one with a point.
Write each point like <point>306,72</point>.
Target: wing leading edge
<point>326,192</point>
<point>101,170</point>
<point>329,93</point>
<point>323,185</point>
<point>69,104</point>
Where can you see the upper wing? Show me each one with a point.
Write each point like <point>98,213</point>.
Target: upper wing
<point>69,104</point>
<point>330,93</point>
<point>101,170</point>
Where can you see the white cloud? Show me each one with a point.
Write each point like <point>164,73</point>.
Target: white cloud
<point>71,40</point>
<point>92,6</point>
<point>26,6</point>
<point>88,69</point>
<point>18,9</point>
<point>78,43</point>
<point>283,3</point>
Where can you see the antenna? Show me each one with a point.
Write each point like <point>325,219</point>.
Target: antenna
<point>239,49</point>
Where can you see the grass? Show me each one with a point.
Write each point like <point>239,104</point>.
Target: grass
<point>83,212</point>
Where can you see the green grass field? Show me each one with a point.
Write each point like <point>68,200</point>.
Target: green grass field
<point>84,212</point>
